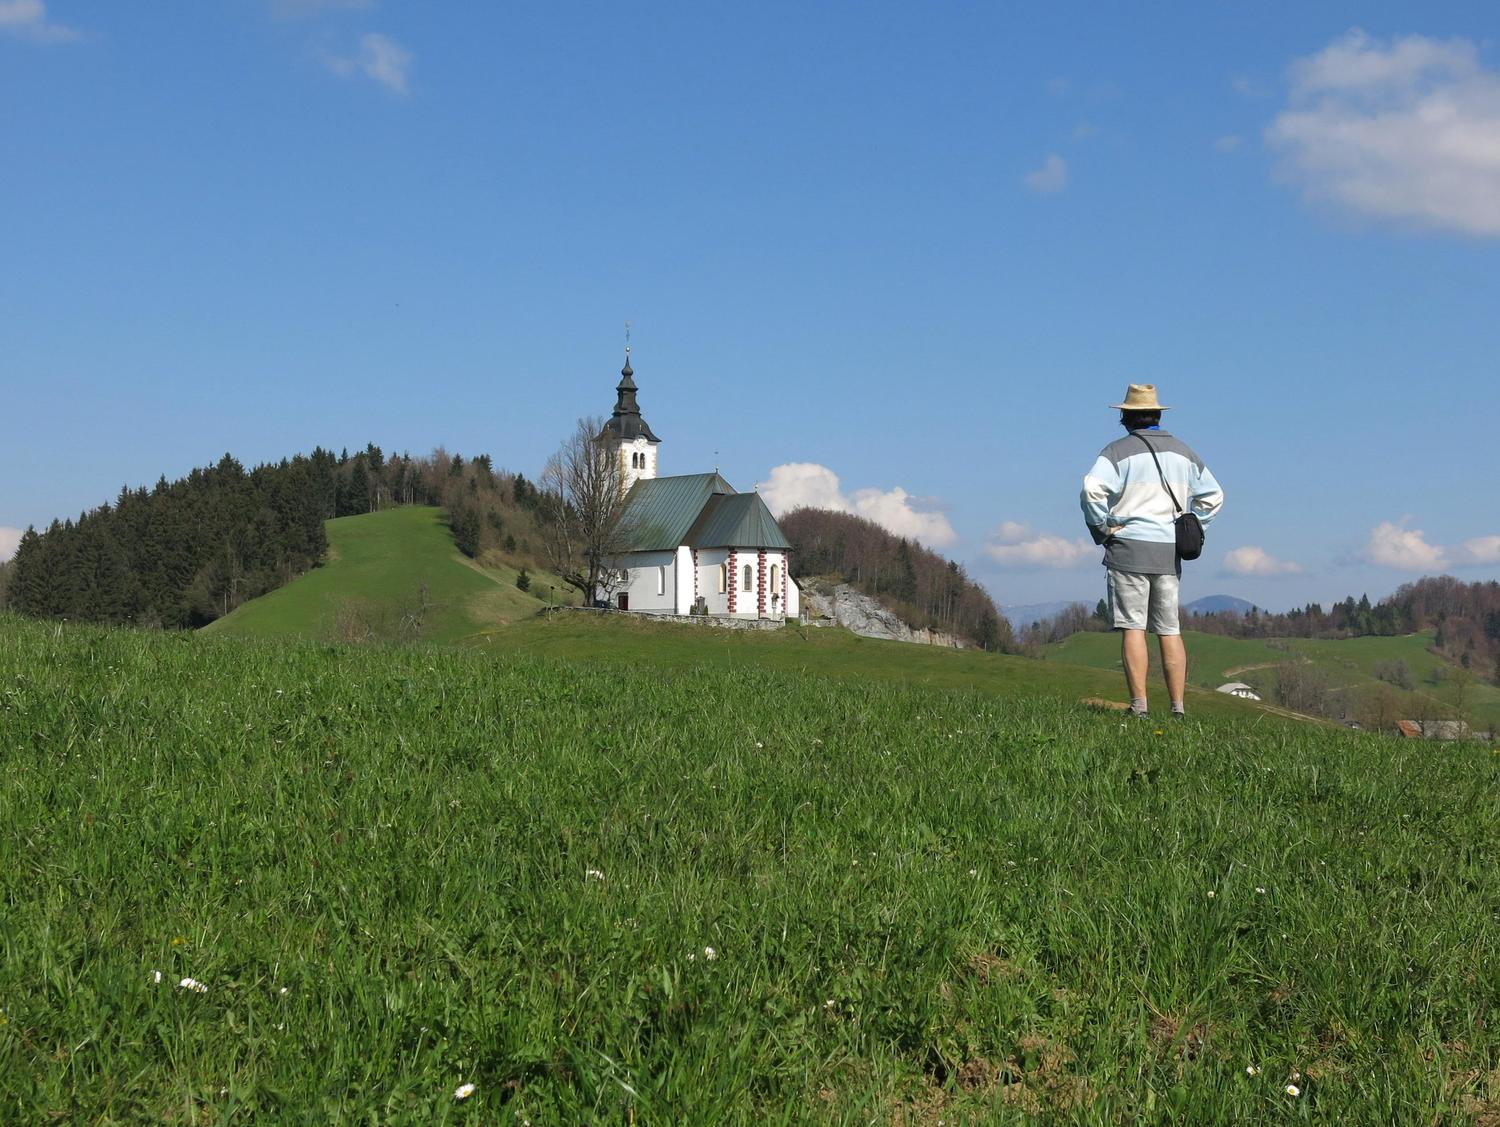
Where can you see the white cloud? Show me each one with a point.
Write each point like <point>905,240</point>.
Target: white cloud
<point>797,484</point>
<point>1392,544</point>
<point>380,58</point>
<point>1407,131</point>
<point>1228,143</point>
<point>1481,550</point>
<point>9,538</point>
<point>28,19</point>
<point>1015,545</point>
<point>1050,178</point>
<point>1251,560</point>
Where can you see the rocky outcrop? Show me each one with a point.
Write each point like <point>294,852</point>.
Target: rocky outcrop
<point>846,606</point>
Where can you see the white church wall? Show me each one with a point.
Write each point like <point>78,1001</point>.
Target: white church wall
<point>648,588</point>
<point>682,579</point>
<point>634,452</point>
<point>710,563</point>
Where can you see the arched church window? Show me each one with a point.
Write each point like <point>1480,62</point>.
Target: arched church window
<point>661,581</point>
<point>749,578</point>
<point>723,578</point>
<point>773,577</point>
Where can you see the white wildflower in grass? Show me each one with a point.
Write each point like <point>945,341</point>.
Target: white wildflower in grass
<point>156,976</point>
<point>973,872</point>
<point>593,874</point>
<point>284,991</point>
<point>759,744</point>
<point>710,954</point>
<point>463,1091</point>
<point>1251,1070</point>
<point>1292,1090</point>
<point>828,1005</point>
<point>194,985</point>
<point>1259,890</point>
<point>1210,894</point>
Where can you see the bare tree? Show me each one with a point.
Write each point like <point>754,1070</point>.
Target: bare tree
<point>583,489</point>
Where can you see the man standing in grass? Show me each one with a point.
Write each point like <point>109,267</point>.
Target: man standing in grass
<point>1130,500</point>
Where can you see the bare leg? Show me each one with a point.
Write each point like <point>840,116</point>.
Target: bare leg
<point>1134,657</point>
<point>1174,665</point>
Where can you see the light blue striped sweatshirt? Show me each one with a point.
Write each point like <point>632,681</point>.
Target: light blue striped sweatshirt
<point>1129,512</point>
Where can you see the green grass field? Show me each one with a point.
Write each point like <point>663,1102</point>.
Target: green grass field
<point>817,651</point>
<point>378,566</point>
<point>1349,664</point>
<point>1211,657</point>
<point>702,893</point>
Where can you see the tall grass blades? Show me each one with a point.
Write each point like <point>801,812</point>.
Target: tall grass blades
<point>280,883</point>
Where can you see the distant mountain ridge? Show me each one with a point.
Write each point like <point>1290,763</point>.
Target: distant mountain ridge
<point>1218,604</point>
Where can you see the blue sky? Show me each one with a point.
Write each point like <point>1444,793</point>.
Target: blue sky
<point>891,257</point>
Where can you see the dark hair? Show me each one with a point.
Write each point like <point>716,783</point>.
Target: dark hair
<point>1135,420</point>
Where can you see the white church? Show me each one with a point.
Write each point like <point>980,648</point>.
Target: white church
<point>695,545</point>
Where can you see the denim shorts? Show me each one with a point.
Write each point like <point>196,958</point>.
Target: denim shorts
<point>1142,602</point>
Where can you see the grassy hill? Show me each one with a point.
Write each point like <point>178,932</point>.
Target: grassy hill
<point>723,893</point>
<point>373,582</point>
<point>1349,664</point>
<point>824,652</point>
<point>1213,658</point>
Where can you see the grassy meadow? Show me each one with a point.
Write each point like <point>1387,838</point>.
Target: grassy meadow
<point>372,587</point>
<point>1349,665</point>
<point>605,891</point>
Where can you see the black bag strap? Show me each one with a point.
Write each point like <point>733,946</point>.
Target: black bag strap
<point>1176,508</point>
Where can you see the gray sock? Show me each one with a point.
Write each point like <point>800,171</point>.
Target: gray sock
<point>1138,705</point>
<point>1177,707</point>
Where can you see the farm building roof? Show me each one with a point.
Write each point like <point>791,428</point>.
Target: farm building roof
<point>739,520</point>
<point>659,511</point>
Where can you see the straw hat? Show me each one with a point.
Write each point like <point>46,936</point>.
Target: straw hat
<point>1139,397</point>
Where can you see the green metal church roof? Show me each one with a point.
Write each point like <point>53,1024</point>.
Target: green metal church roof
<point>659,511</point>
<point>740,520</point>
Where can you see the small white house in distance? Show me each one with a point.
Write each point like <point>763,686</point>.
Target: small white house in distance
<point>1239,689</point>
<point>692,541</point>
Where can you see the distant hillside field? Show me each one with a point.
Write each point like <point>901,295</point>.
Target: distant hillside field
<point>285,882</point>
<point>825,652</point>
<point>1211,657</point>
<point>373,580</point>
<point>1349,664</point>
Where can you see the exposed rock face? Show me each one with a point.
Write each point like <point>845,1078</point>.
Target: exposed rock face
<point>860,614</point>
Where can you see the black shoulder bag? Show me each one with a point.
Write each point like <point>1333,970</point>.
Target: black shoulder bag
<point>1189,527</point>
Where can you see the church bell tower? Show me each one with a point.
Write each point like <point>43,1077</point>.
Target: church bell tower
<point>628,433</point>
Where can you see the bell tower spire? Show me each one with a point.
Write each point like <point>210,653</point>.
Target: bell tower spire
<point>628,431</point>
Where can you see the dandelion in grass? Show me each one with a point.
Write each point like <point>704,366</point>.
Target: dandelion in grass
<point>1292,1090</point>
<point>463,1091</point>
<point>194,985</point>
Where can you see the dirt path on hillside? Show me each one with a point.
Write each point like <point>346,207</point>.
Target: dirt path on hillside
<point>1238,669</point>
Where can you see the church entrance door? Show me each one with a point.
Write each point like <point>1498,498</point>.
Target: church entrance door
<point>624,600</point>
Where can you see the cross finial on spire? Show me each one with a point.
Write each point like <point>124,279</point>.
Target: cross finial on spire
<point>627,338</point>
